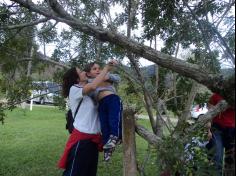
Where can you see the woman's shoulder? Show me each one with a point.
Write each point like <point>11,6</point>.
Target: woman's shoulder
<point>76,90</point>
<point>76,87</point>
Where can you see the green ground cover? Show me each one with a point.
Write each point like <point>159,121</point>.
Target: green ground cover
<point>32,142</point>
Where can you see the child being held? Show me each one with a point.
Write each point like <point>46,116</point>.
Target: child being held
<point>109,108</point>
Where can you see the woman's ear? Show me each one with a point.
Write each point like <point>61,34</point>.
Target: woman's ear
<point>88,75</point>
<point>78,80</point>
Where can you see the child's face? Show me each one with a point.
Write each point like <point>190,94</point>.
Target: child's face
<point>95,71</point>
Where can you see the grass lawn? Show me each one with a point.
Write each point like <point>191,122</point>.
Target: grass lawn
<point>31,144</point>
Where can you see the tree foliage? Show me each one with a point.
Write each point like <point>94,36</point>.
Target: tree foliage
<point>188,23</point>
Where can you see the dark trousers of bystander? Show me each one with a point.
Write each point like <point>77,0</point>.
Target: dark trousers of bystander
<point>221,148</point>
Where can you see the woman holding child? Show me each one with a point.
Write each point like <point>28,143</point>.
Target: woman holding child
<point>80,157</point>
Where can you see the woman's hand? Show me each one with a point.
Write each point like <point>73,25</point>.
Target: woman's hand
<point>113,62</point>
<point>209,135</point>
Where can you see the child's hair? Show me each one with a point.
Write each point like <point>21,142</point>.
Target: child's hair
<point>69,79</point>
<point>88,67</point>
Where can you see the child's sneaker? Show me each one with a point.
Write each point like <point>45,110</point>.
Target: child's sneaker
<point>107,154</point>
<point>112,142</point>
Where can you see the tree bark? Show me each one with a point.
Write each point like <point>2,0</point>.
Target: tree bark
<point>129,144</point>
<point>186,113</point>
<point>98,42</point>
<point>147,135</point>
<point>29,68</point>
<point>155,140</point>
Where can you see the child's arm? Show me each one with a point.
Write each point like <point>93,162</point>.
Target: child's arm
<point>99,79</point>
<point>113,78</point>
<point>108,80</point>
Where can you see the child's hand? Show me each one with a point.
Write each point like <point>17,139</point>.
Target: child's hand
<point>209,135</point>
<point>111,64</point>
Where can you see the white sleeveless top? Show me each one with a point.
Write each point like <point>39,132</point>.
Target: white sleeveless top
<point>86,119</point>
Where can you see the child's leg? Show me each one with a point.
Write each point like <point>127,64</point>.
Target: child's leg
<point>115,110</point>
<point>108,153</point>
<point>103,115</point>
<point>110,110</point>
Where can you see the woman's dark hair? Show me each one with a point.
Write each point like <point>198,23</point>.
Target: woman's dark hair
<point>69,79</point>
<point>88,67</point>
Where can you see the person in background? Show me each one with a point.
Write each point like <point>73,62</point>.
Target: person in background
<point>80,157</point>
<point>109,108</point>
<point>222,136</point>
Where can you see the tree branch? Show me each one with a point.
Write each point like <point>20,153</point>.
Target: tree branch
<point>13,52</point>
<point>207,44</point>
<point>47,59</point>
<point>215,83</point>
<point>155,140</point>
<point>214,31</point>
<point>147,135</point>
<point>225,13</point>
<point>220,107</point>
<point>222,40</point>
<point>25,24</point>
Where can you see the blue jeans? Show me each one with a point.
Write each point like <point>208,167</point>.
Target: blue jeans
<point>223,141</point>
<point>110,114</point>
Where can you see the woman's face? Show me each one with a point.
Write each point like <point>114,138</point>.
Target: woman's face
<point>95,71</point>
<point>82,75</point>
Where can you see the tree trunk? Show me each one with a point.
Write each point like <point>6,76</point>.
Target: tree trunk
<point>129,147</point>
<point>186,112</point>
<point>147,98</point>
<point>159,129</point>
<point>98,42</point>
<point>175,79</point>
<point>29,68</point>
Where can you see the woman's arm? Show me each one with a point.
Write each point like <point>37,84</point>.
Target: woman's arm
<point>100,78</point>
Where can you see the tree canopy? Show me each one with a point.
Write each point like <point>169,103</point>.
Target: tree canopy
<point>188,23</point>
